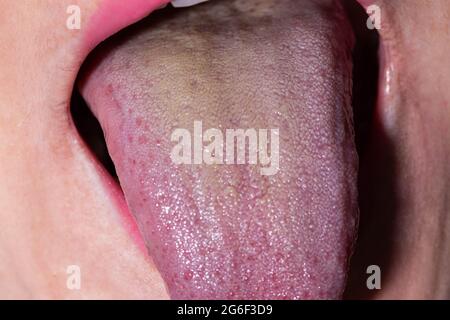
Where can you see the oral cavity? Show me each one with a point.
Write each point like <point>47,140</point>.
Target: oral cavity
<point>218,231</point>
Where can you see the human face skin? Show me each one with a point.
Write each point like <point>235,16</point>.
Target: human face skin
<point>60,208</point>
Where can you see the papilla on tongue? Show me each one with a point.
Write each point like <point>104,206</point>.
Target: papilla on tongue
<point>226,231</point>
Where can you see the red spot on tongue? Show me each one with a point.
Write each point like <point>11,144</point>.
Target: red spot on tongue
<point>226,231</point>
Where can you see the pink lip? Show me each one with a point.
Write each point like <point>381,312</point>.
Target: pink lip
<point>366,3</point>
<point>114,15</point>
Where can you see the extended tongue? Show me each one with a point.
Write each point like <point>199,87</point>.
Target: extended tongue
<point>228,230</point>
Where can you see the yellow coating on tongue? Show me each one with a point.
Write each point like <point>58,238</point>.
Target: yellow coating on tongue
<point>226,231</point>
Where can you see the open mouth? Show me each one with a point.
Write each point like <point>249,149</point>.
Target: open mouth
<point>220,229</point>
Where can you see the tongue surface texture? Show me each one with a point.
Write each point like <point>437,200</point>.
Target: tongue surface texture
<point>227,231</point>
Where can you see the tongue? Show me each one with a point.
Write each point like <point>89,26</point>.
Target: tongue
<point>235,231</point>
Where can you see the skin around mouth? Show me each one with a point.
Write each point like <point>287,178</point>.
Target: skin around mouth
<point>227,231</point>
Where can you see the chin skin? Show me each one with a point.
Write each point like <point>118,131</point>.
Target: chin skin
<point>58,208</point>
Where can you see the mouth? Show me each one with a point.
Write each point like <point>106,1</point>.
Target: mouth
<point>219,229</point>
